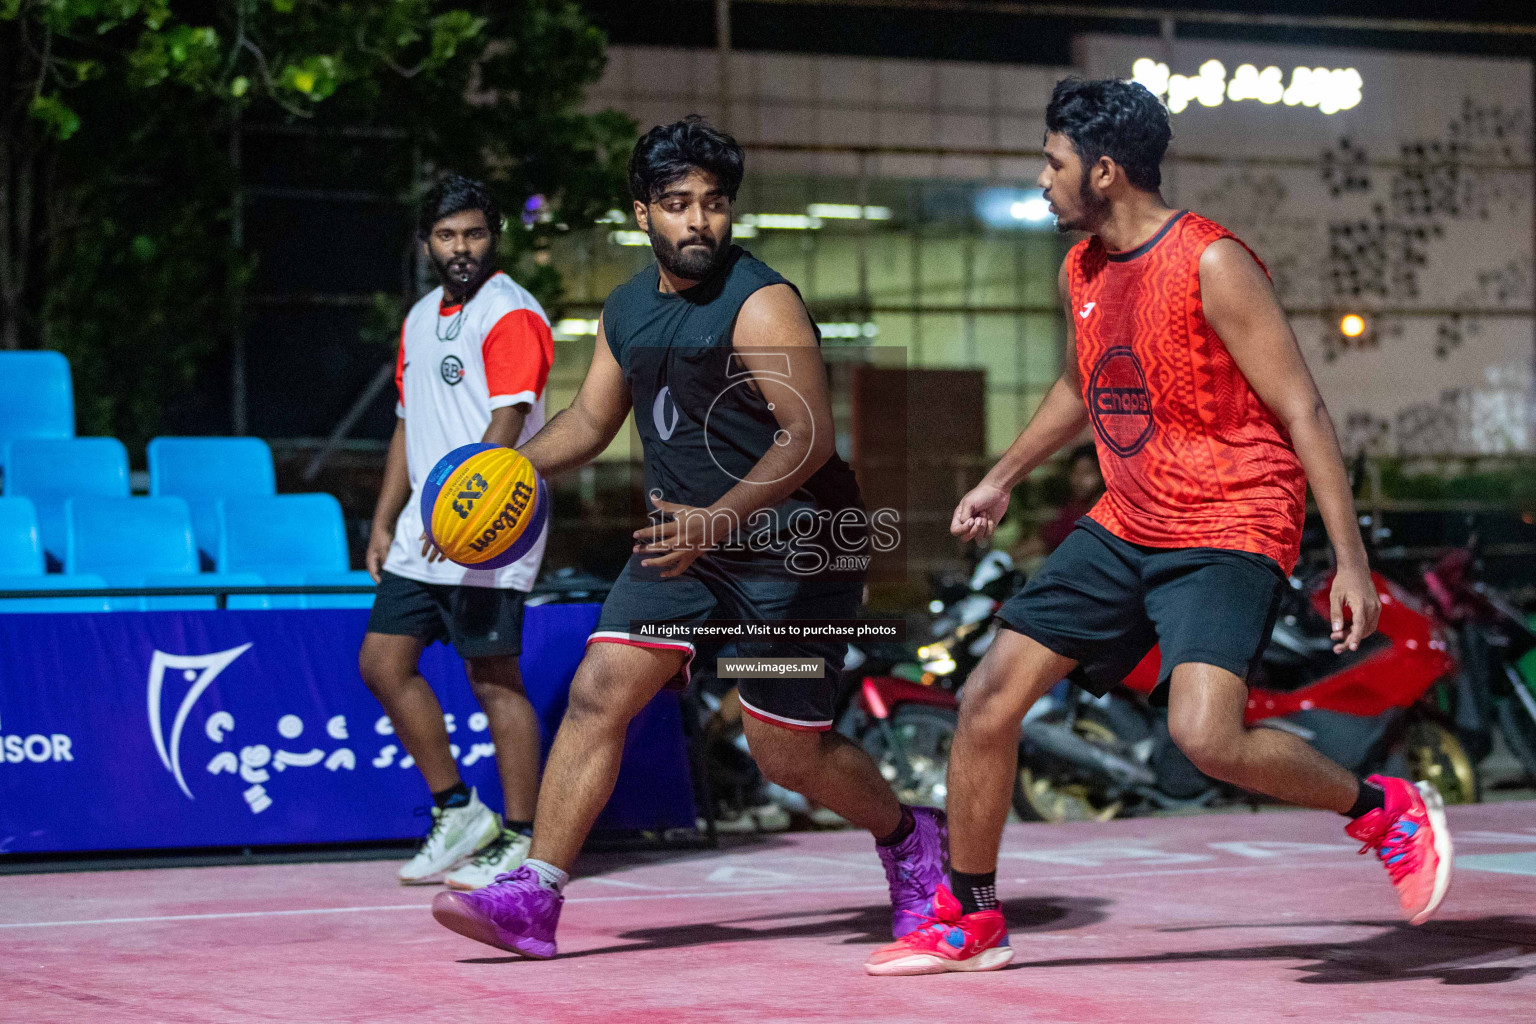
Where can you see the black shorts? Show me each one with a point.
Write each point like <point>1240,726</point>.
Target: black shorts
<point>708,591</point>
<point>1105,602</point>
<point>480,622</point>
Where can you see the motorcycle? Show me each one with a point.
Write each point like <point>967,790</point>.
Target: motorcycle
<point>902,705</point>
<point>1493,638</point>
<point>1092,759</point>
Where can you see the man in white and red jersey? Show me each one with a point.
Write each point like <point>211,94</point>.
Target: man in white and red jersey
<point>474,359</point>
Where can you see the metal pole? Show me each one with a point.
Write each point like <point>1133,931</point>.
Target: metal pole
<point>861,194</point>
<point>237,377</point>
<point>723,57</point>
<point>380,380</point>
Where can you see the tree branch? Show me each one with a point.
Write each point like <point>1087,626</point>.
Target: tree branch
<point>386,59</point>
<point>266,76</point>
<point>43,61</point>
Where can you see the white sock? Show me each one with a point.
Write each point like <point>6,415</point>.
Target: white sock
<point>550,876</point>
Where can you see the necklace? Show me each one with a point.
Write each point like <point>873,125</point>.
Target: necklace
<point>455,324</point>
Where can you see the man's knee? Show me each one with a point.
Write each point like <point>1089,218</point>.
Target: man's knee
<point>614,682</point>
<point>986,708</point>
<point>786,757</point>
<point>384,665</point>
<point>588,700</point>
<point>598,698</point>
<point>1205,718</point>
<point>1215,751</point>
<point>492,676</point>
<point>1015,672</point>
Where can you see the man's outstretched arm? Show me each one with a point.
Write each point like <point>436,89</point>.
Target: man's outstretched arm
<point>1060,417</point>
<point>579,433</point>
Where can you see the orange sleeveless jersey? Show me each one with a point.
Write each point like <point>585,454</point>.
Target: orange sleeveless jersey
<point>1191,457</point>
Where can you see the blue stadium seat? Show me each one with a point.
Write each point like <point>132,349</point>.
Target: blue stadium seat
<point>21,553</point>
<point>284,538</point>
<point>208,602</point>
<point>53,581</point>
<point>126,540</point>
<point>37,398</point>
<point>356,578</point>
<point>50,471</point>
<point>204,469</point>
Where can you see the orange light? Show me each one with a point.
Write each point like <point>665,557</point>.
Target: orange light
<point>1352,326</point>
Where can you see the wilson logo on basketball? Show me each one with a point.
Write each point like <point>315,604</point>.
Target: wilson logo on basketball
<point>1119,402</point>
<point>522,494</point>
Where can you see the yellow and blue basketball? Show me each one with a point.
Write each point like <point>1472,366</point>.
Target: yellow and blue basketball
<point>484,506</point>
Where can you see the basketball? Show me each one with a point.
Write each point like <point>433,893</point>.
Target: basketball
<point>484,506</point>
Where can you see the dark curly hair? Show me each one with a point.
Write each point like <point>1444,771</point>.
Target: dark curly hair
<point>453,193</point>
<point>667,152</point>
<point>1113,118</point>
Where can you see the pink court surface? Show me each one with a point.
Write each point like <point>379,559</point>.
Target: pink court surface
<point>1218,918</point>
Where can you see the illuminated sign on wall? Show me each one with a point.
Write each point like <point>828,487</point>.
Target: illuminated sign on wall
<point>1330,90</point>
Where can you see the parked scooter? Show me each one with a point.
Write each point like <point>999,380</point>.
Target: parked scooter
<point>1492,638</point>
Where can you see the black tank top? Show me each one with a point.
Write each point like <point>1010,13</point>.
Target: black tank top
<point>703,424</point>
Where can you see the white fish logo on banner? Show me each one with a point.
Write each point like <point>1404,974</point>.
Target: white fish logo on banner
<point>199,669</point>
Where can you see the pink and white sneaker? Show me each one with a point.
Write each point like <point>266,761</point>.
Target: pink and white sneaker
<point>949,941</point>
<point>1412,842</point>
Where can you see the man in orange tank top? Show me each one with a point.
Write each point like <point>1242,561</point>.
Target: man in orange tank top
<point>1209,428</point>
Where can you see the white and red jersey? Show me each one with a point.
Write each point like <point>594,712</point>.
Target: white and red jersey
<point>456,364</point>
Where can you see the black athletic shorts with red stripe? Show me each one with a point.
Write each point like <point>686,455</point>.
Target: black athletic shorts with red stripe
<point>710,590</point>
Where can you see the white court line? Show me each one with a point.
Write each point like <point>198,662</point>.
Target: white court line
<point>215,917</point>
<point>679,895</point>
<point>627,885</point>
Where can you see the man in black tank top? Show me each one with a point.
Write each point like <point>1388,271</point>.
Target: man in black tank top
<point>755,518</point>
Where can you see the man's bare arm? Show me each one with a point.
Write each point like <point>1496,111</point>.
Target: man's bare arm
<point>774,341</point>
<point>506,425</point>
<point>579,433</point>
<point>1241,305</point>
<point>394,492</point>
<point>1060,417</point>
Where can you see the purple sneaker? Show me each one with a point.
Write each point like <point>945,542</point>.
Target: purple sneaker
<point>516,913</point>
<point>914,869</point>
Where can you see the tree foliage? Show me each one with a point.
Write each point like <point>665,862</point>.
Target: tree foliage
<point>120,121</point>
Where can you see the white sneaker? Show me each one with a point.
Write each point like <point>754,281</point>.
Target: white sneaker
<point>505,855</point>
<point>457,832</point>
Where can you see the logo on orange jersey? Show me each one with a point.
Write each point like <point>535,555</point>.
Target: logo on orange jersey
<point>1119,402</point>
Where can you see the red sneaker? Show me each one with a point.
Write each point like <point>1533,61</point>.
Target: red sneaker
<point>949,941</point>
<point>1412,841</point>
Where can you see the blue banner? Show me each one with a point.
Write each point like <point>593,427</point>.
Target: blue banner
<point>155,730</point>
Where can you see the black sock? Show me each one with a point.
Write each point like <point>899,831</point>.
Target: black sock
<point>903,828</point>
<point>1371,798</point>
<point>456,795</point>
<point>522,828</point>
<point>975,892</point>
